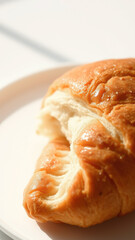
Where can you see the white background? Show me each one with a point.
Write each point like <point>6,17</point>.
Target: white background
<point>40,34</point>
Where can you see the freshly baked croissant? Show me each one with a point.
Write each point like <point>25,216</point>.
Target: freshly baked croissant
<point>86,173</point>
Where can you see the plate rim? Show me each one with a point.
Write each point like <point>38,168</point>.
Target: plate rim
<point>4,227</point>
<point>42,70</point>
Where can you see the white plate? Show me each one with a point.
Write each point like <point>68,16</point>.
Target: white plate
<point>19,150</point>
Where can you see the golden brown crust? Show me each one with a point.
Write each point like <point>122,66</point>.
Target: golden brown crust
<point>95,146</point>
<point>104,185</point>
<point>91,198</point>
<point>43,182</point>
<point>108,86</point>
<point>105,83</point>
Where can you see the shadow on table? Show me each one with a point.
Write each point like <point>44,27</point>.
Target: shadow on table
<point>40,49</point>
<point>4,236</point>
<point>120,228</point>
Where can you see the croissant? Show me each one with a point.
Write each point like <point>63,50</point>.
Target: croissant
<point>86,173</point>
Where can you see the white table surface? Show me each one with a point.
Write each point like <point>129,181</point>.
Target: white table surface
<point>40,34</point>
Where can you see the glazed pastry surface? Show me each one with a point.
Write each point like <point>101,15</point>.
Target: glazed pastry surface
<point>86,173</point>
